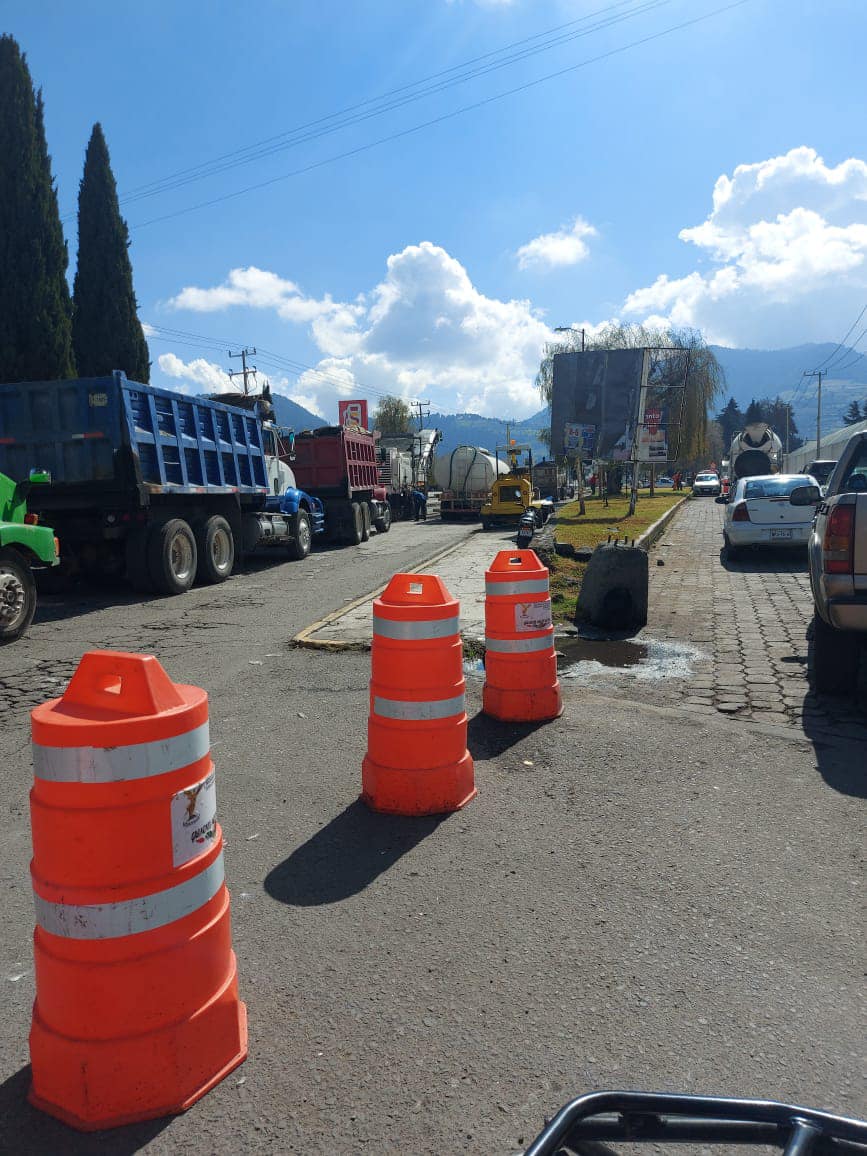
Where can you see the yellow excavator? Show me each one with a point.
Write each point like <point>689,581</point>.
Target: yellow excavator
<point>512,493</point>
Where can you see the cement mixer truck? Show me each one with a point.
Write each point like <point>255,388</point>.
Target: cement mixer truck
<point>755,450</point>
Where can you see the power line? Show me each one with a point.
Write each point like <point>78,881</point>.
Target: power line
<point>443,117</point>
<point>275,361</point>
<point>840,344</point>
<point>396,98</point>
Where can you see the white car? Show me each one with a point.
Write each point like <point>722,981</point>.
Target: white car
<point>664,481</point>
<point>707,483</point>
<point>759,513</point>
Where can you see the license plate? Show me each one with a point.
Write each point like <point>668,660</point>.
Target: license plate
<point>781,533</point>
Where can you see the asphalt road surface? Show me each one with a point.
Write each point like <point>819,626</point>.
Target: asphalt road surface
<point>640,895</point>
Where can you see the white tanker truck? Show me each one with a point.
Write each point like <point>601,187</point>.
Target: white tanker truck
<point>755,450</point>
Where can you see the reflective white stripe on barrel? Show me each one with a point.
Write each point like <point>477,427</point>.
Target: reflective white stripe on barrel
<point>520,645</point>
<point>119,764</point>
<point>130,916</point>
<point>523,586</point>
<point>418,711</point>
<point>416,631</point>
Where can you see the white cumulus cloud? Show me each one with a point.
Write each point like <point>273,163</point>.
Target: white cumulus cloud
<point>197,376</point>
<point>425,331</point>
<point>787,242</point>
<point>568,246</point>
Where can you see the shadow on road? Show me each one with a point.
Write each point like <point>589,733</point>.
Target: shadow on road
<point>837,728</point>
<point>29,1132</point>
<point>487,738</point>
<point>765,560</point>
<point>346,856</point>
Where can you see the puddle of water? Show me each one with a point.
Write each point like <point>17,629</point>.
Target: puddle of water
<point>615,652</point>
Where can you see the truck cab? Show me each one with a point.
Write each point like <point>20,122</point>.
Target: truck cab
<point>24,544</point>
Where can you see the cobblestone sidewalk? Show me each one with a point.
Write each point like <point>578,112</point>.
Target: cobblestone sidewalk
<point>750,617</point>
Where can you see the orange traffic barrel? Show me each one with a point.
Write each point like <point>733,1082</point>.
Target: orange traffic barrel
<point>521,682</point>
<point>417,761</point>
<point>137,1012</point>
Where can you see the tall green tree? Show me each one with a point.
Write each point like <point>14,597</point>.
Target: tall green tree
<point>731,420</point>
<point>393,416</point>
<point>35,310</point>
<point>853,413</point>
<point>755,412</point>
<point>106,331</point>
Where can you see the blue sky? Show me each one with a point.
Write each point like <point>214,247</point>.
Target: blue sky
<point>435,265</point>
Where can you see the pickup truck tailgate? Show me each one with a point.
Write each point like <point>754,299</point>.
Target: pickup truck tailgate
<point>861,542</point>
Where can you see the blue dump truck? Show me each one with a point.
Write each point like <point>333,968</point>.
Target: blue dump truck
<point>166,488</point>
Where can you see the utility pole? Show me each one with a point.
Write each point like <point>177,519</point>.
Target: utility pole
<point>788,411</point>
<point>245,369</point>
<point>818,373</point>
<point>421,405</point>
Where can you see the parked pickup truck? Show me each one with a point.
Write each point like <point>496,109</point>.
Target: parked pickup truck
<point>838,569</point>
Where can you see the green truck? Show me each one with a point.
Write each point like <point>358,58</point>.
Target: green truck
<point>24,545</point>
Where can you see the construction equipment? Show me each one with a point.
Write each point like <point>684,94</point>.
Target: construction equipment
<point>512,493</point>
<point>24,544</point>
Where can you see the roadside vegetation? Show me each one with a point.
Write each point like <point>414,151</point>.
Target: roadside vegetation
<point>598,525</point>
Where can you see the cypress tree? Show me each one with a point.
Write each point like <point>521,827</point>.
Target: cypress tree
<point>35,310</point>
<point>106,331</point>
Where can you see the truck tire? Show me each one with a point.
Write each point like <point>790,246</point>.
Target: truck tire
<point>299,546</point>
<point>17,595</point>
<point>355,526</point>
<point>383,523</point>
<point>172,556</point>
<point>836,654</point>
<point>365,521</point>
<point>215,547</point>
<point>137,571</point>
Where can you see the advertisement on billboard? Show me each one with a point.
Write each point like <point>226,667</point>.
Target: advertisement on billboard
<point>653,435</point>
<point>352,413</point>
<point>601,389</point>
<point>579,440</point>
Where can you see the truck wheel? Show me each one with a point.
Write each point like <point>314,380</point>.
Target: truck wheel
<point>17,595</point>
<point>137,571</point>
<point>354,528</point>
<point>383,523</point>
<point>487,524</point>
<point>215,546</point>
<point>835,658</point>
<point>172,556</point>
<point>299,547</point>
<point>365,521</point>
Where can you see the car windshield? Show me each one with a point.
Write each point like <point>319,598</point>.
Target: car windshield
<point>706,478</point>
<point>775,487</point>
<point>821,471</point>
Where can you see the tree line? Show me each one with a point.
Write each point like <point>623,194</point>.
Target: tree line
<point>772,411</point>
<point>46,333</point>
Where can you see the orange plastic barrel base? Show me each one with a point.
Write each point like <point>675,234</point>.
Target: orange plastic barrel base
<point>523,705</point>
<point>436,791</point>
<point>96,1084</point>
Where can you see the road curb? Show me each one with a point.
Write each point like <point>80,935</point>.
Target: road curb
<point>654,532</point>
<point>303,638</point>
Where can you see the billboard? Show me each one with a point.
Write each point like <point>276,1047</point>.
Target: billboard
<point>352,413</point>
<point>600,388</point>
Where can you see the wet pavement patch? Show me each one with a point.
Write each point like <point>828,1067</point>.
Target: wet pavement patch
<point>586,659</point>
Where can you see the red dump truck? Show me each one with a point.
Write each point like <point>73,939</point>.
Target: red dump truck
<point>338,465</point>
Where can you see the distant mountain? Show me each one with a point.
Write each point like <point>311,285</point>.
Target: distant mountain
<point>290,413</point>
<point>471,429</point>
<point>767,372</point>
